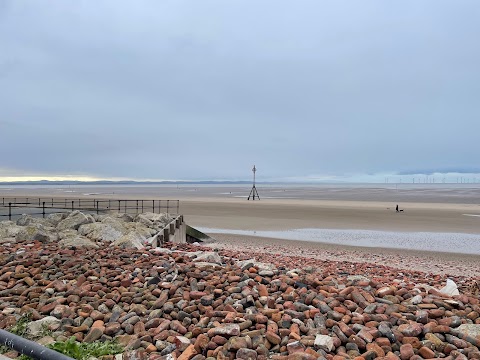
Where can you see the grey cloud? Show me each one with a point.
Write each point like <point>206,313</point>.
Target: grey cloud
<point>114,89</point>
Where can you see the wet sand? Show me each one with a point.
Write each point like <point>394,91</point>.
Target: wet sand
<point>435,209</point>
<point>283,214</point>
<point>430,262</point>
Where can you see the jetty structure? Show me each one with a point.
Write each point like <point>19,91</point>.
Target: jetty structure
<point>161,216</point>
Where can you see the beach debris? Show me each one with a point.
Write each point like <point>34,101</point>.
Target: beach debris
<point>450,288</point>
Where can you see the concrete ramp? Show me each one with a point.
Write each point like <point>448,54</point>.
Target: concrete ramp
<point>194,235</point>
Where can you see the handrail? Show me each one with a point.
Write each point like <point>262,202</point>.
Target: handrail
<point>93,205</point>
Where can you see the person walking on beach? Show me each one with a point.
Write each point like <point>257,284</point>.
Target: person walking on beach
<point>397,208</point>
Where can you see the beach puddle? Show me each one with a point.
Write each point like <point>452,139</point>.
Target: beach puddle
<point>424,241</point>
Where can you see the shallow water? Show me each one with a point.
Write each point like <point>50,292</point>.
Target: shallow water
<point>395,193</point>
<point>425,241</point>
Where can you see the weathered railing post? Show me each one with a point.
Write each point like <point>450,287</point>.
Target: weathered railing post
<point>153,206</point>
<point>118,205</point>
<point>97,207</point>
<point>137,206</point>
<point>73,201</point>
<point>43,209</point>
<point>178,206</point>
<point>142,206</point>
<point>168,203</point>
<point>9,211</point>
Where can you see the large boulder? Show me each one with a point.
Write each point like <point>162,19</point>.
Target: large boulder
<point>102,232</point>
<point>142,219</point>
<point>122,217</point>
<point>26,220</point>
<point>8,229</point>
<point>158,220</point>
<point>78,241</point>
<point>74,220</point>
<point>55,218</point>
<point>36,232</point>
<point>131,240</point>
<point>141,229</point>
<point>115,222</point>
<point>69,233</point>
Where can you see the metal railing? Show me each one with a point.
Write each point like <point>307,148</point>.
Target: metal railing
<point>49,205</point>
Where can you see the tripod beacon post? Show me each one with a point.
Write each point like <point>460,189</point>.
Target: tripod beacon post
<point>253,192</point>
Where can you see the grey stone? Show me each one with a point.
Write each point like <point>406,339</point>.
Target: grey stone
<point>8,229</point>
<point>469,329</point>
<point>77,241</point>
<point>324,342</point>
<point>210,257</point>
<point>102,232</point>
<point>131,240</point>
<point>74,220</point>
<point>158,220</point>
<point>35,329</point>
<point>35,232</point>
<point>141,229</point>
<point>55,218</point>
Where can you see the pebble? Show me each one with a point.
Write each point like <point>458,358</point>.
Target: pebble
<point>333,311</point>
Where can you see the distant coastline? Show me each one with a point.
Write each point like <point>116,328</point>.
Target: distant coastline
<point>124,182</point>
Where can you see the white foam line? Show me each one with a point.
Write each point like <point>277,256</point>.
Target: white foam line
<point>472,215</point>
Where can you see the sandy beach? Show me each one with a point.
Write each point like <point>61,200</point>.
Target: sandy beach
<point>447,213</point>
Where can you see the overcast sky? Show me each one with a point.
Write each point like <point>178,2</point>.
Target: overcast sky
<point>205,89</point>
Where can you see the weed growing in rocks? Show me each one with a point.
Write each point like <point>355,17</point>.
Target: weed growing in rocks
<point>81,351</point>
<point>20,328</point>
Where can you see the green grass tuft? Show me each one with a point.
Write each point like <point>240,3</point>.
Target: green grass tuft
<point>71,347</point>
<point>82,351</point>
